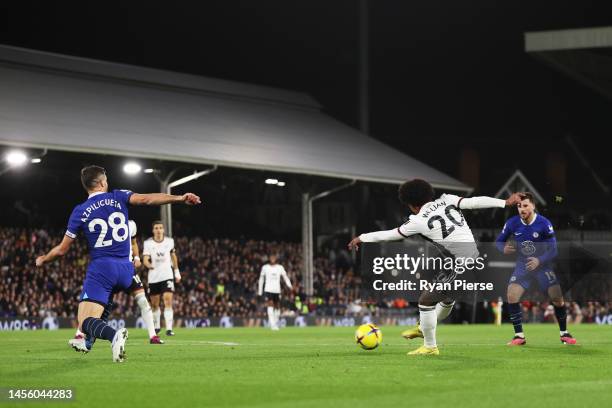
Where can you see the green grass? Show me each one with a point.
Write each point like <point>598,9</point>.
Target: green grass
<point>319,367</point>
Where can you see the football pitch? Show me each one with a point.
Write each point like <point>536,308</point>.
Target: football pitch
<point>318,367</point>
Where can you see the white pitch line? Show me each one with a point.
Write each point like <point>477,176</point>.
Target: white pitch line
<point>221,343</point>
<point>193,343</point>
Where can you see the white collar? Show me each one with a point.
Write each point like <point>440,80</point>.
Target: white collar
<point>95,194</point>
<point>535,216</point>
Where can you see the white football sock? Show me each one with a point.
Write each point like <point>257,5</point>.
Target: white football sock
<point>277,316</point>
<point>428,322</point>
<point>168,317</point>
<point>271,317</point>
<point>146,313</point>
<point>157,318</point>
<point>443,310</point>
<point>79,333</point>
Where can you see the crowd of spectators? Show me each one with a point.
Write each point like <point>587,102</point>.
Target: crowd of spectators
<point>541,312</point>
<point>220,278</point>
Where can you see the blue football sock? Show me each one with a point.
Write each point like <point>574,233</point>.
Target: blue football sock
<point>98,328</point>
<point>516,316</point>
<point>107,311</point>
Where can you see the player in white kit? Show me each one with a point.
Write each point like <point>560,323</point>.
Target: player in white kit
<point>269,283</point>
<point>441,222</point>
<point>159,257</point>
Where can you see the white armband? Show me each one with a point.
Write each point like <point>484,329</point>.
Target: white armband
<point>177,273</point>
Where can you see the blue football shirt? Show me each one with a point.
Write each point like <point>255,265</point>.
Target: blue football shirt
<point>532,240</point>
<point>103,218</point>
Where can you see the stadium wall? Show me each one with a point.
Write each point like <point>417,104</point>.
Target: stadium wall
<point>51,323</point>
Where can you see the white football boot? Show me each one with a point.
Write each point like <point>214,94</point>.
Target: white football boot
<point>118,345</point>
<point>78,344</point>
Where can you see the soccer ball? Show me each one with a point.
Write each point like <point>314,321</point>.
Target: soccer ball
<point>368,336</point>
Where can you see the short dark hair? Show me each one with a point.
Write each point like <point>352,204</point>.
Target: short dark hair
<point>416,193</point>
<point>90,176</point>
<point>157,222</point>
<point>528,196</point>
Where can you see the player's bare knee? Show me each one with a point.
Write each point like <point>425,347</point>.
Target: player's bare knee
<point>155,302</point>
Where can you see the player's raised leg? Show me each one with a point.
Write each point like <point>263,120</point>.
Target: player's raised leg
<point>556,296</point>
<point>515,292</point>
<point>168,313</point>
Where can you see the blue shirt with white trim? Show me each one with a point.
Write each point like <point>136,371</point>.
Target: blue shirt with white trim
<point>103,218</point>
<point>536,239</point>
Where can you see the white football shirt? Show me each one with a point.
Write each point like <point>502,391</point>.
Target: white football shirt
<point>441,221</point>
<point>271,275</point>
<point>160,258</point>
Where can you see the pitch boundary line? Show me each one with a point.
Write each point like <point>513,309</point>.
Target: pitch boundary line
<point>178,343</point>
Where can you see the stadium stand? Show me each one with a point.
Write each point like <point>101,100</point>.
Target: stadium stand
<point>219,279</point>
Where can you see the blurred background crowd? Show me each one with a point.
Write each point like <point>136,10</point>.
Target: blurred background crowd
<point>220,278</point>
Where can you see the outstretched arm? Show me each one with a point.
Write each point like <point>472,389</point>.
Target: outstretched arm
<point>474,203</point>
<point>377,236</point>
<point>58,250</point>
<point>162,198</point>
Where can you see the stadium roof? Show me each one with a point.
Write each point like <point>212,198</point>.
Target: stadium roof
<point>74,104</point>
<point>584,54</point>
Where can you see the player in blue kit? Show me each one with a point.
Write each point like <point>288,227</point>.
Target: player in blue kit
<point>103,218</point>
<point>536,244</point>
